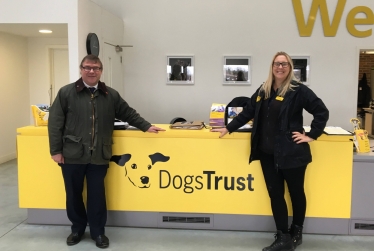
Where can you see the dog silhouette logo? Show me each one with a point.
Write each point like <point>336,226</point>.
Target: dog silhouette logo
<point>137,169</point>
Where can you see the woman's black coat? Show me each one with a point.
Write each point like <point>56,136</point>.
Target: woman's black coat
<point>287,154</point>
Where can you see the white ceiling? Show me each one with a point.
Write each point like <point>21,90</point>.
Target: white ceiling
<point>32,30</point>
<point>116,7</point>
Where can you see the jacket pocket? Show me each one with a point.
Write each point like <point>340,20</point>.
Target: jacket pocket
<point>107,148</point>
<point>73,147</point>
<point>288,147</point>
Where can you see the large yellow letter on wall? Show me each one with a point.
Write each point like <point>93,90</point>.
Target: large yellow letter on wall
<point>352,21</point>
<point>305,29</point>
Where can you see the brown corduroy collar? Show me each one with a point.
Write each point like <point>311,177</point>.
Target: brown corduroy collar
<point>79,85</point>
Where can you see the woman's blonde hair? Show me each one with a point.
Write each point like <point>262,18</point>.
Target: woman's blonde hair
<point>286,85</point>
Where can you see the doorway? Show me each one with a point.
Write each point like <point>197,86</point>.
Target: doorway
<point>113,73</point>
<point>365,92</point>
<point>59,68</point>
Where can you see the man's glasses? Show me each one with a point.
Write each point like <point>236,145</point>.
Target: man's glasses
<point>88,69</point>
<point>283,64</point>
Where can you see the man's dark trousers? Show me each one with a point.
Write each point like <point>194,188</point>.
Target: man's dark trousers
<point>96,214</point>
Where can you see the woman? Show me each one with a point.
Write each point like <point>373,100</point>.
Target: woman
<point>279,141</point>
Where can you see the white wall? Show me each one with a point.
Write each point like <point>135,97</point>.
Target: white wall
<point>14,94</point>
<point>211,29</point>
<point>94,19</point>
<point>82,17</point>
<point>36,11</point>
<point>51,11</point>
<point>208,30</point>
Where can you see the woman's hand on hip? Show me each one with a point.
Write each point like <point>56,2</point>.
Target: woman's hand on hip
<point>300,137</point>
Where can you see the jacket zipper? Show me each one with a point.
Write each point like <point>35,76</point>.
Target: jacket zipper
<point>93,122</point>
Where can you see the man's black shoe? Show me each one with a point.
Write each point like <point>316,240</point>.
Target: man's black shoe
<point>102,241</point>
<point>73,238</point>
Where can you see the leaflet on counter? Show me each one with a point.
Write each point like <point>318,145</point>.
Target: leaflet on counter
<point>336,130</point>
<point>331,130</point>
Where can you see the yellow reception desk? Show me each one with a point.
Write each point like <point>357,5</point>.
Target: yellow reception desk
<point>189,175</point>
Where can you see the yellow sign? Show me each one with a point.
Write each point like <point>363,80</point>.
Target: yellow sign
<point>361,136</point>
<point>330,29</point>
<point>40,116</point>
<point>190,171</point>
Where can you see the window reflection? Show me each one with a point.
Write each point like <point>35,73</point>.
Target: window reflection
<point>236,69</point>
<point>236,72</point>
<point>180,69</point>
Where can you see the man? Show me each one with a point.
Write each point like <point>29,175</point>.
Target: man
<point>80,127</point>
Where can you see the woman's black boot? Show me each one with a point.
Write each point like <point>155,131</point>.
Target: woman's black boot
<point>296,233</point>
<point>283,242</point>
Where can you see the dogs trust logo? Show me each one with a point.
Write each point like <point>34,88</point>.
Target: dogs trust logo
<point>136,170</point>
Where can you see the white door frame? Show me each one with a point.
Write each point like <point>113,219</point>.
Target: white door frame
<point>51,88</point>
<point>107,77</point>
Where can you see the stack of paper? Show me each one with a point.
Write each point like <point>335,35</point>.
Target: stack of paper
<point>336,130</point>
<point>193,125</point>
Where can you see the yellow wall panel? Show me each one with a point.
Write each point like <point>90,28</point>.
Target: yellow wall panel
<point>203,174</point>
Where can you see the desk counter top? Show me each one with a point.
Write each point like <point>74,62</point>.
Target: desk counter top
<point>174,133</point>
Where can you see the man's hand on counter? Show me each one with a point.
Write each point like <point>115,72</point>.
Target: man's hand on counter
<point>155,129</point>
<point>58,158</point>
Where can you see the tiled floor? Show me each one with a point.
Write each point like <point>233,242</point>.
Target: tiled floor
<point>16,235</point>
